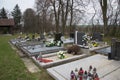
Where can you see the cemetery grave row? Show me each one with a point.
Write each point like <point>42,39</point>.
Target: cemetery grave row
<point>48,52</point>
<point>48,47</point>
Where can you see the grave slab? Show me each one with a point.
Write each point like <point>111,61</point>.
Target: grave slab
<point>37,49</point>
<point>104,67</point>
<point>56,61</point>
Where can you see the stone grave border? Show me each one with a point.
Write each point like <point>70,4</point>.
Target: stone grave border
<point>58,62</point>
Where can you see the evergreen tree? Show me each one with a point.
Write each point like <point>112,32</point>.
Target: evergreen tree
<point>3,13</point>
<point>16,13</point>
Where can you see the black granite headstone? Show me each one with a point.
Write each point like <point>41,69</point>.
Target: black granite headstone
<point>79,38</point>
<point>58,37</point>
<point>72,35</point>
<point>117,56</point>
<point>115,49</point>
<point>97,36</point>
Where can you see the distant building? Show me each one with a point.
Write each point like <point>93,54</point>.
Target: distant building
<point>6,26</point>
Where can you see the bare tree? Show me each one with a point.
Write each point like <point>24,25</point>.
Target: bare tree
<point>56,10</point>
<point>71,15</point>
<point>66,12</point>
<point>114,18</point>
<point>65,7</point>
<point>62,9</point>
<point>103,4</point>
<point>76,13</point>
<point>43,11</point>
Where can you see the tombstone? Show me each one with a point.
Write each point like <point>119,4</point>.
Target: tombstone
<point>97,36</point>
<point>79,38</point>
<point>72,35</point>
<point>113,41</point>
<point>57,37</point>
<point>115,49</point>
<point>117,55</point>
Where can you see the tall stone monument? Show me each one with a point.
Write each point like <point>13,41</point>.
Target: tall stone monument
<point>115,49</point>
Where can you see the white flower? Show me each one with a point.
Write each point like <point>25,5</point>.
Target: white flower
<point>59,56</point>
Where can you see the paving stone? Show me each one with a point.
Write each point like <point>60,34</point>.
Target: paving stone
<point>30,65</point>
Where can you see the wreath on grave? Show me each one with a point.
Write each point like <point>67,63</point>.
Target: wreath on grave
<point>61,54</point>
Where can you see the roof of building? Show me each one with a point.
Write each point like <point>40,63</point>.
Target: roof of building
<point>7,22</point>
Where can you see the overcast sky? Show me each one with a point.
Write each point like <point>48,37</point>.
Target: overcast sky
<point>23,4</point>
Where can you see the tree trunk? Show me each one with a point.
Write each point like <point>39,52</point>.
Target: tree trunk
<point>103,4</point>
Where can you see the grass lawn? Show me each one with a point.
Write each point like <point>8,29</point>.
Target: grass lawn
<point>108,39</point>
<point>12,67</point>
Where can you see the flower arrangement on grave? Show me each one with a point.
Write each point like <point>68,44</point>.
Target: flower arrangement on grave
<point>61,54</point>
<point>95,44</point>
<point>74,49</point>
<point>57,39</point>
<point>59,43</point>
<point>50,44</point>
<point>86,39</point>
<point>53,43</point>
